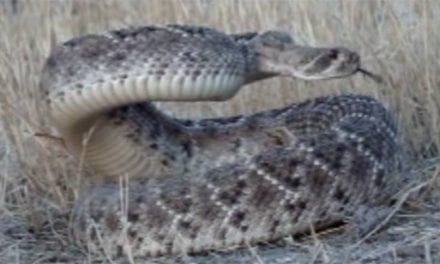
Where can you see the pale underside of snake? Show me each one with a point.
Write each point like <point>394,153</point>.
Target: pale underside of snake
<point>214,183</point>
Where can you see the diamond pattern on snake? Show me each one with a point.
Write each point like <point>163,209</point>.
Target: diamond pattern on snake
<point>197,185</point>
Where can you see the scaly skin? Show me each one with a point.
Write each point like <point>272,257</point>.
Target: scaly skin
<point>213,183</point>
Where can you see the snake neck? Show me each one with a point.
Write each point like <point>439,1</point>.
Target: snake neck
<point>132,141</point>
<point>263,63</point>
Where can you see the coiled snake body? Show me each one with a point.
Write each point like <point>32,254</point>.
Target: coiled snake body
<point>212,183</point>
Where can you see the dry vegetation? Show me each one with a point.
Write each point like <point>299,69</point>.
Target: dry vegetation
<point>398,39</point>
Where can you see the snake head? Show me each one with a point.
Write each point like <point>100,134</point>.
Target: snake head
<point>311,63</point>
<point>278,54</point>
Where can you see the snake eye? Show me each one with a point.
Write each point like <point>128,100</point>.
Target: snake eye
<point>333,54</point>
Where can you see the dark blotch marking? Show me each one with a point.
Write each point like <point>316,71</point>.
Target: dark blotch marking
<point>277,112</point>
<point>118,56</point>
<point>188,56</point>
<point>194,232</point>
<point>222,234</point>
<point>293,163</point>
<point>132,217</point>
<point>121,34</point>
<point>274,226</point>
<point>188,229</point>
<point>319,154</point>
<point>210,130</point>
<point>263,195</point>
<point>333,54</point>
<point>322,214</point>
<point>112,222</point>
<point>93,234</point>
<point>165,162</point>
<point>160,72</point>
<point>159,237</point>
<point>290,207</point>
<point>241,184</point>
<point>228,197</point>
<point>51,62</point>
<point>140,199</point>
<point>339,194</point>
<point>154,146</point>
<point>170,156</point>
<point>119,251</point>
<point>268,167</point>
<point>209,212</point>
<point>359,168</point>
<point>97,216</point>
<point>187,147</point>
<point>293,182</point>
<point>237,218</point>
<point>302,205</point>
<point>317,179</point>
<point>169,247</point>
<point>341,209</point>
<point>132,234</point>
<point>220,121</point>
<point>379,178</point>
<point>155,132</point>
<point>187,122</point>
<point>336,165</point>
<point>130,135</point>
<point>182,206</point>
<point>236,144</point>
<point>72,43</point>
<point>278,141</point>
<point>118,122</point>
<point>184,224</point>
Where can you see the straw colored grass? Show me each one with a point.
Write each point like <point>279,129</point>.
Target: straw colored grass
<point>398,39</point>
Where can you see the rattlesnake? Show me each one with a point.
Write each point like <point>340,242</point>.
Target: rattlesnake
<point>213,183</point>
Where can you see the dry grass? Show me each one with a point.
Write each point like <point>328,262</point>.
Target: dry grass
<point>399,39</point>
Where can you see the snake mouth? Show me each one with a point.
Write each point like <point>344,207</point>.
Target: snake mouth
<point>377,78</point>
